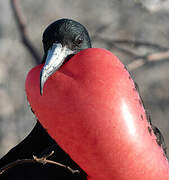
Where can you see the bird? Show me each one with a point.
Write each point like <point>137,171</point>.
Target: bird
<point>38,142</point>
<point>89,112</point>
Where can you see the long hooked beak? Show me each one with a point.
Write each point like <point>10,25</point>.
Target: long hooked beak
<point>55,57</point>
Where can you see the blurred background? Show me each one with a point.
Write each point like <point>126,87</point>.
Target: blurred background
<point>137,31</point>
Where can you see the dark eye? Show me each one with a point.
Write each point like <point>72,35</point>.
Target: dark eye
<point>78,40</point>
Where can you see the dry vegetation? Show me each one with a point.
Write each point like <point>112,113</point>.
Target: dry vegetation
<point>137,31</point>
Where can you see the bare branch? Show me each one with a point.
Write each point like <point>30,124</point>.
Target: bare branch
<point>122,50</point>
<point>160,56</point>
<point>135,64</point>
<point>134,43</point>
<point>19,18</point>
<point>138,62</point>
<point>42,160</point>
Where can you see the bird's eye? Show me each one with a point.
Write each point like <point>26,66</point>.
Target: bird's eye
<point>78,40</point>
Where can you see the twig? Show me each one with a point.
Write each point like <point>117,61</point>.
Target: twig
<point>42,160</point>
<point>19,18</point>
<point>123,50</point>
<point>111,43</point>
<point>160,56</point>
<point>134,43</point>
<point>137,43</point>
<point>138,60</point>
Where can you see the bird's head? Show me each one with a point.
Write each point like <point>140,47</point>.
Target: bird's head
<point>61,40</point>
<point>91,108</point>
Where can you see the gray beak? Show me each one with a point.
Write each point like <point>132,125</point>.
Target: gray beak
<point>55,57</point>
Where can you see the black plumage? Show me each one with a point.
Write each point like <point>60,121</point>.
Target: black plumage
<point>74,37</point>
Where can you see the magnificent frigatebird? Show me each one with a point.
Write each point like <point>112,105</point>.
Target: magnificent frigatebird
<point>90,106</point>
<point>38,142</point>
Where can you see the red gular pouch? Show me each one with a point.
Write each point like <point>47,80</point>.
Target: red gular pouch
<point>92,109</point>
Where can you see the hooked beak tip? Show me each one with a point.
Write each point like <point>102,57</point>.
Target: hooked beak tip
<point>41,83</point>
<point>41,91</point>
